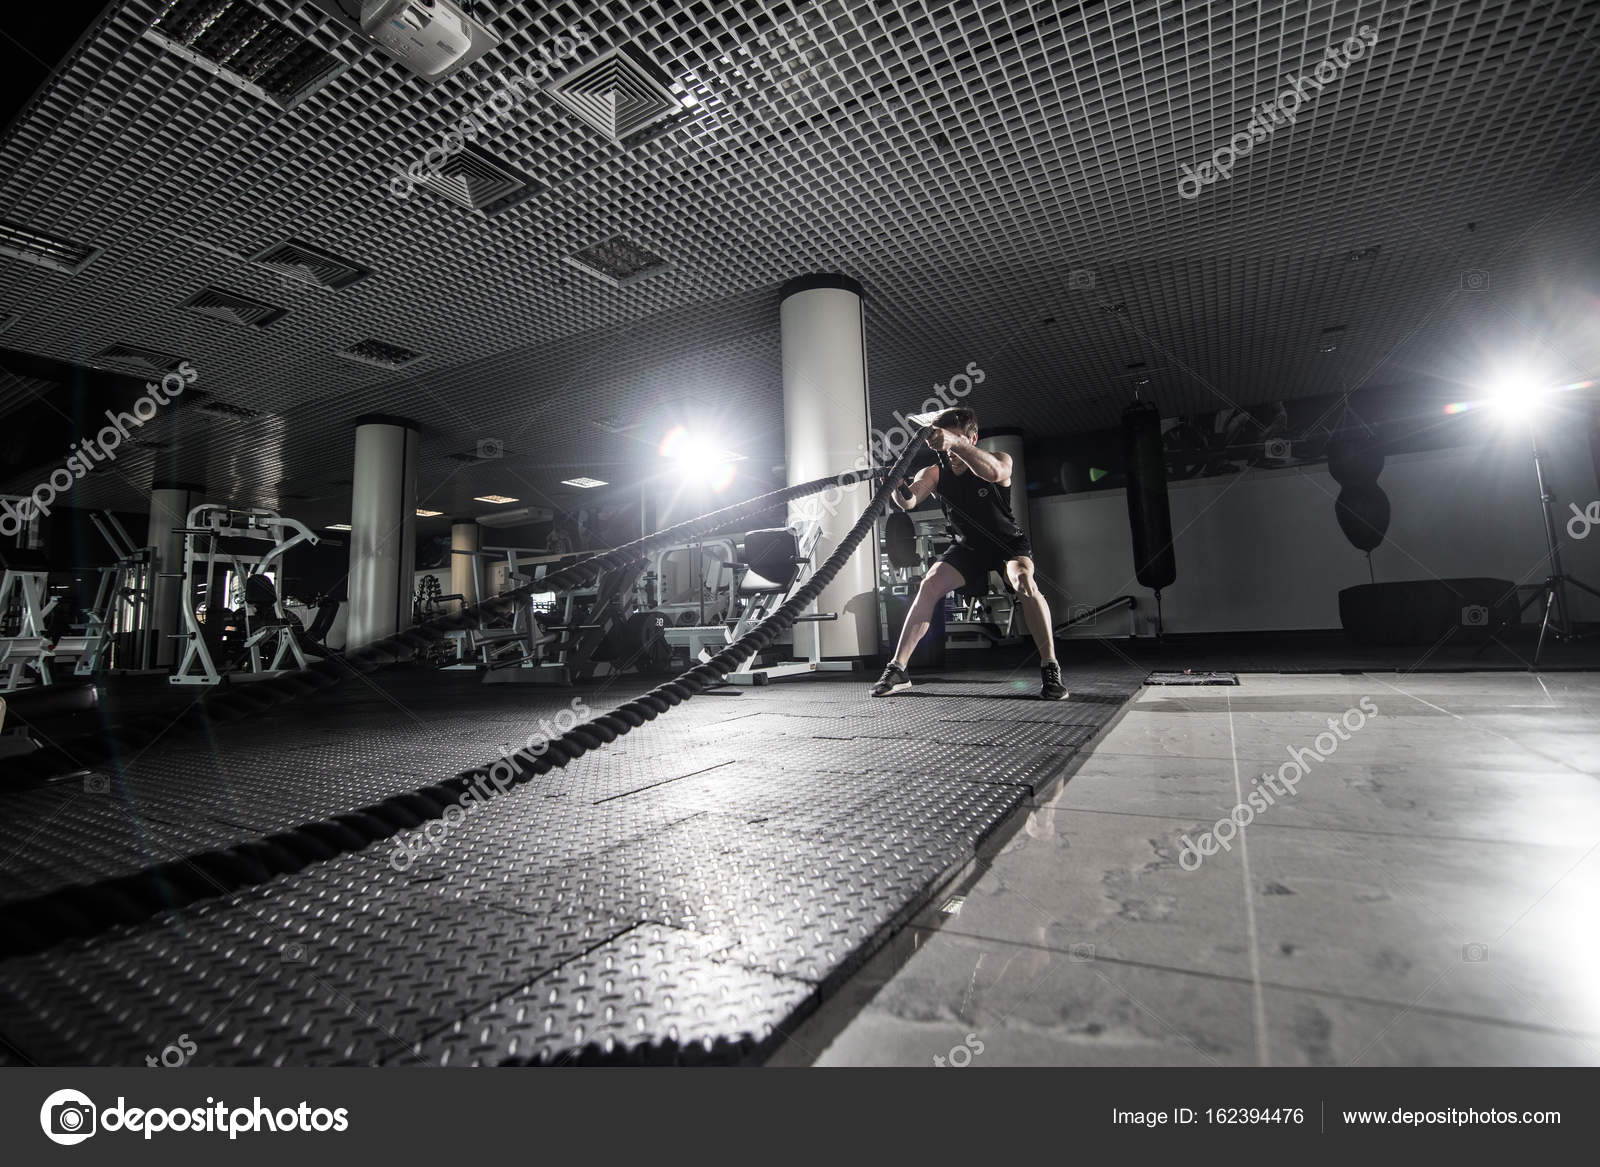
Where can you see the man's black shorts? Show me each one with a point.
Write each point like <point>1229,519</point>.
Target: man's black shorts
<point>977,559</point>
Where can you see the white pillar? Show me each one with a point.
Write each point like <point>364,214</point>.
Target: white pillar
<point>827,422</point>
<point>464,537</point>
<point>170,503</point>
<point>383,519</point>
<point>1009,441</point>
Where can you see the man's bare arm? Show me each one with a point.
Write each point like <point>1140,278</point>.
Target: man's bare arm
<point>924,484</point>
<point>990,467</point>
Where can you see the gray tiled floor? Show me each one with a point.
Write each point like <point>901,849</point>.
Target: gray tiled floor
<point>1426,896</point>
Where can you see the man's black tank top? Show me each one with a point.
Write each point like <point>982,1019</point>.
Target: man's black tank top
<point>978,510</point>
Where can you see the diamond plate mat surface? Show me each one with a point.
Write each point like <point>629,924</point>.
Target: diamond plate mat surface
<point>682,895</point>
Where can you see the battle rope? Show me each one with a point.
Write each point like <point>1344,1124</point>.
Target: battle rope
<point>87,909</point>
<point>233,702</point>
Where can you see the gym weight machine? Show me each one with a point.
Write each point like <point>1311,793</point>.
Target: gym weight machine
<point>121,613</point>
<point>218,535</point>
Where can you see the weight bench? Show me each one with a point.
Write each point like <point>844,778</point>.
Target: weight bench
<point>26,579</point>
<point>777,562</point>
<point>41,711</point>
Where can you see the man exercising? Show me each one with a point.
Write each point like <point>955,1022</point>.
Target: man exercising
<point>974,487</point>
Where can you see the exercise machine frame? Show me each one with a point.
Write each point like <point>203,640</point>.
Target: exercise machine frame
<point>204,528</point>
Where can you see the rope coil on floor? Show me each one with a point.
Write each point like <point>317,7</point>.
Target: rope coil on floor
<point>84,910</point>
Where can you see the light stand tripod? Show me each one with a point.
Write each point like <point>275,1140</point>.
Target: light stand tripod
<point>1557,614</point>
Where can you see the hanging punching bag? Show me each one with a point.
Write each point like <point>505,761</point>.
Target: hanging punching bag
<point>1363,513</point>
<point>1149,515</point>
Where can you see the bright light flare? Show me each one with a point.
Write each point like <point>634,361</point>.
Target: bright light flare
<point>1517,395</point>
<point>700,460</point>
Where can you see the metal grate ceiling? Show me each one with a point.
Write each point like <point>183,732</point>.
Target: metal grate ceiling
<point>309,264</point>
<point>135,358</point>
<point>245,46</point>
<point>234,308</point>
<point>380,354</point>
<point>479,181</point>
<point>30,246</point>
<point>1001,177</point>
<point>618,261</point>
<point>621,94</point>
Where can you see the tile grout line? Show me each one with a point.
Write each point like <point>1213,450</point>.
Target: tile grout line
<point>1249,906</point>
<point>1523,746</point>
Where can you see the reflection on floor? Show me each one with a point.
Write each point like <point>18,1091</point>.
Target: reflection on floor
<point>1424,894</point>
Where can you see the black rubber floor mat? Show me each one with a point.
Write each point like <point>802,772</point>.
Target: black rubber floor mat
<point>678,898</point>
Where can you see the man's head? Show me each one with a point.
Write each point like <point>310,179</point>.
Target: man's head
<point>961,419</point>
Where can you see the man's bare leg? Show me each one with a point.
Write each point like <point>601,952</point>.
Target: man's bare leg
<point>1036,610</point>
<point>1034,606</point>
<point>938,583</point>
<point>941,580</point>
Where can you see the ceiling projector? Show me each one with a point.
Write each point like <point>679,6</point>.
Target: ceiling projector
<point>431,38</point>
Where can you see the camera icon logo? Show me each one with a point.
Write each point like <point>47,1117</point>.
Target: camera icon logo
<point>1475,616</point>
<point>960,1056</point>
<point>68,1117</point>
<point>1474,281</point>
<point>490,448</point>
<point>1080,279</point>
<point>96,784</point>
<point>1278,450</point>
<point>1474,953</point>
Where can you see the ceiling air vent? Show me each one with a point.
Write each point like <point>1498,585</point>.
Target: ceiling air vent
<point>239,43</point>
<point>219,408</point>
<point>484,453</point>
<point>234,308</point>
<point>131,356</point>
<point>49,251</point>
<point>376,352</point>
<point>618,261</point>
<point>621,94</point>
<point>311,265</point>
<point>479,181</point>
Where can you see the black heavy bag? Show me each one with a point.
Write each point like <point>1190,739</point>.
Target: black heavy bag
<point>1149,515</point>
<point>1363,513</point>
<point>1354,461</point>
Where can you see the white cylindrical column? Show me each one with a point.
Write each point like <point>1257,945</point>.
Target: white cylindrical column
<point>383,520</point>
<point>170,503</point>
<point>827,422</point>
<point>1009,441</point>
<point>463,580</point>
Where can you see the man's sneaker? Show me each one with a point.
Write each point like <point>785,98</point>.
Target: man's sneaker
<point>1052,689</point>
<point>894,680</point>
